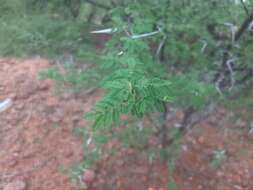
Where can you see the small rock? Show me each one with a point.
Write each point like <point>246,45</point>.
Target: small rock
<point>68,153</point>
<point>13,96</point>
<point>118,183</point>
<point>52,101</point>
<point>201,139</point>
<point>43,86</point>
<point>212,120</point>
<point>75,118</point>
<point>120,163</point>
<point>219,174</point>
<point>238,187</point>
<point>20,106</point>
<point>245,183</point>
<point>237,179</point>
<point>124,117</point>
<point>67,96</point>
<point>57,116</point>
<point>72,106</point>
<point>180,115</point>
<point>12,163</point>
<point>2,88</point>
<point>15,185</point>
<point>89,176</point>
<point>184,148</point>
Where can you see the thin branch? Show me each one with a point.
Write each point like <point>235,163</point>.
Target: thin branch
<point>211,28</point>
<point>204,46</point>
<point>144,35</point>
<point>232,79</point>
<point>237,36</point>
<point>247,77</point>
<point>218,82</point>
<point>160,47</point>
<point>244,26</point>
<point>233,28</point>
<point>104,31</point>
<point>193,116</point>
<point>244,7</point>
<point>112,30</point>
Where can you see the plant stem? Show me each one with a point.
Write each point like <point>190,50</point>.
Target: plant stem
<point>164,129</point>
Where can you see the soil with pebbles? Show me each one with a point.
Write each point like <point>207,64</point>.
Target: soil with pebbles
<point>36,140</point>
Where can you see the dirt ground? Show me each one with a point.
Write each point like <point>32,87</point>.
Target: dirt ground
<point>36,140</point>
<point>36,136</point>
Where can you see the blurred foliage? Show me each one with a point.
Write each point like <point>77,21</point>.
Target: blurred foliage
<point>41,35</point>
<point>48,28</point>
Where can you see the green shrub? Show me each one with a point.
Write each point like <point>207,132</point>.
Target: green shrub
<point>184,54</point>
<point>190,52</point>
<point>40,34</point>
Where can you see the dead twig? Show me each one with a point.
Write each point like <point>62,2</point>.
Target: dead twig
<point>218,83</point>
<point>232,78</point>
<point>204,46</point>
<point>160,47</point>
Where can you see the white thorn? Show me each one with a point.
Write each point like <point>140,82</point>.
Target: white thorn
<point>144,35</point>
<point>104,31</point>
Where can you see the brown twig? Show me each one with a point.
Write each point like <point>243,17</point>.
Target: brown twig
<point>244,7</point>
<point>244,26</point>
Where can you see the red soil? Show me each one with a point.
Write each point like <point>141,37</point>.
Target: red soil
<point>36,141</point>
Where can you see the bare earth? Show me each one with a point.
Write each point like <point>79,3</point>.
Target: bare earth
<point>36,136</point>
<point>36,141</point>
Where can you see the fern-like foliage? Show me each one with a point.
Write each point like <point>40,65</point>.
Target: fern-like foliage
<point>163,52</point>
<point>166,52</point>
<point>135,84</point>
